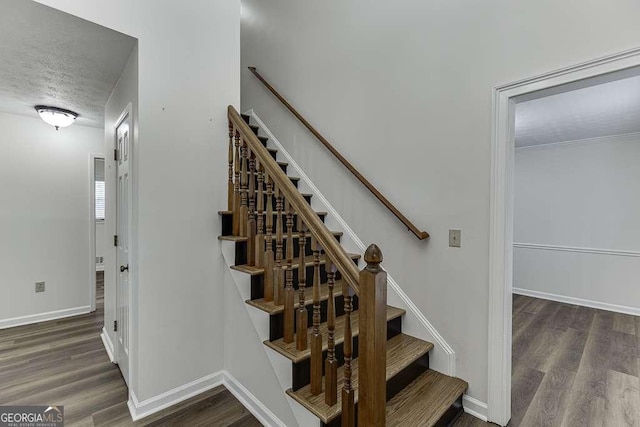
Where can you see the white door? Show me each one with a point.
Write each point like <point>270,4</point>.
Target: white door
<point>123,221</point>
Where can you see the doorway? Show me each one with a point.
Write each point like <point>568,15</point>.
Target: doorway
<point>506,98</point>
<point>96,224</point>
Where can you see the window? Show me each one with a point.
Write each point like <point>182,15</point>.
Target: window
<point>99,200</point>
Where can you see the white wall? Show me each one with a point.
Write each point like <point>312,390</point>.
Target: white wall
<point>189,54</point>
<point>44,217</point>
<point>583,197</point>
<point>403,90</point>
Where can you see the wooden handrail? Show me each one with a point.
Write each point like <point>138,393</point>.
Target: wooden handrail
<point>417,232</point>
<point>318,229</point>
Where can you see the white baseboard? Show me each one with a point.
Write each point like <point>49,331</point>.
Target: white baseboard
<point>139,410</point>
<point>108,345</point>
<point>43,317</point>
<point>578,301</point>
<point>172,397</point>
<point>475,407</point>
<point>440,342</point>
<point>257,408</point>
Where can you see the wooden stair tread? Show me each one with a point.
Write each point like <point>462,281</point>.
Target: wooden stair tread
<point>296,261</point>
<point>272,308</point>
<point>423,402</point>
<point>290,351</point>
<point>273,237</point>
<point>402,351</point>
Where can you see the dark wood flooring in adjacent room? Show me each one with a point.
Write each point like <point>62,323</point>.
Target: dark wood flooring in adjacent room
<point>63,362</point>
<point>573,366</point>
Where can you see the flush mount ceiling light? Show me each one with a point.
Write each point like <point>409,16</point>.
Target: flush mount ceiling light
<point>56,117</point>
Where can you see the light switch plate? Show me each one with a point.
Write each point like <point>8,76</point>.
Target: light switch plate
<point>39,287</point>
<point>454,238</point>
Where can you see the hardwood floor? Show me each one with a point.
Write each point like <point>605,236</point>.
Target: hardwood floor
<point>574,366</point>
<point>63,362</point>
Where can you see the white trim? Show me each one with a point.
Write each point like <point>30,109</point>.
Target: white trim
<point>613,252</point>
<point>99,267</point>
<point>139,410</point>
<point>501,216</point>
<point>439,340</point>
<point>474,407</point>
<point>579,301</point>
<point>255,406</point>
<point>172,397</point>
<point>44,317</point>
<point>108,345</point>
<point>622,137</point>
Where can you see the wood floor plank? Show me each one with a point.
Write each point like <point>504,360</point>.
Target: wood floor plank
<point>623,354</point>
<point>583,318</point>
<point>624,323</point>
<point>548,405</point>
<point>525,384</point>
<point>623,399</point>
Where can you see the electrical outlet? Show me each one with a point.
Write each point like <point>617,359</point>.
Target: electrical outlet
<point>454,238</point>
<point>39,287</point>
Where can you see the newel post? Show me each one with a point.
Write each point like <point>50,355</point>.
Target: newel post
<point>373,341</point>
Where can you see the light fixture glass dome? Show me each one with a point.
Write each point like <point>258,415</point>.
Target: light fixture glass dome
<point>56,117</point>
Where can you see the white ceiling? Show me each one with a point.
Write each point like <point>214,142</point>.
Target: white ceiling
<point>603,110</point>
<point>53,58</point>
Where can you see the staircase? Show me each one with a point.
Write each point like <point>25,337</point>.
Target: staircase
<point>351,364</point>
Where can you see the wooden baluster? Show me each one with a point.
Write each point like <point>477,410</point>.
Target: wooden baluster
<point>331,364</point>
<point>236,187</point>
<point>278,289</point>
<point>251,225</point>
<point>372,385</point>
<point>268,256</point>
<point>230,188</point>
<point>301,314</point>
<point>259,247</point>
<point>289,292</point>
<point>348,406</point>
<point>244,197</point>
<point>316,337</point>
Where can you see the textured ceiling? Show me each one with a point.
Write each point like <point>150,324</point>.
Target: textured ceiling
<point>603,110</point>
<point>53,58</point>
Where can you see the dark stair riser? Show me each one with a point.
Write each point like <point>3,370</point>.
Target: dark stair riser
<point>241,250</point>
<point>227,225</point>
<point>301,372</point>
<point>257,280</point>
<point>293,180</point>
<point>307,198</point>
<point>453,413</point>
<point>276,321</point>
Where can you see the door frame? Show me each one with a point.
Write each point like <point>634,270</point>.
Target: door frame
<point>505,98</point>
<point>127,112</point>
<point>92,228</point>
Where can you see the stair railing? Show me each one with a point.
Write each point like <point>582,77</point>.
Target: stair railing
<point>256,186</point>
<point>421,235</point>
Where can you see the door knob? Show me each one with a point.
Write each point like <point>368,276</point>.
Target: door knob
<point>124,268</point>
